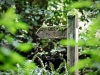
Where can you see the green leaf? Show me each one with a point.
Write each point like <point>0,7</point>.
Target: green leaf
<point>29,66</point>
<point>81,4</point>
<point>81,42</point>
<point>7,66</point>
<point>21,25</point>
<point>95,54</point>
<point>51,66</point>
<point>1,35</point>
<point>67,42</point>
<point>34,57</point>
<point>12,30</point>
<point>92,42</point>
<point>63,42</point>
<point>16,58</point>
<point>25,47</point>
<point>81,64</point>
<point>98,5</point>
<point>9,38</point>
<point>60,66</point>
<point>10,14</point>
<point>5,51</point>
<point>41,63</point>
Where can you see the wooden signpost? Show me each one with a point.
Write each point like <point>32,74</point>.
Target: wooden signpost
<point>70,31</point>
<point>72,34</point>
<point>50,32</point>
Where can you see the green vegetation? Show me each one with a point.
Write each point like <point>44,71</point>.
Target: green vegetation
<point>8,58</point>
<point>20,20</point>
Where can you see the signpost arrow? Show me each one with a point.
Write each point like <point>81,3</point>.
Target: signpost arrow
<point>50,32</point>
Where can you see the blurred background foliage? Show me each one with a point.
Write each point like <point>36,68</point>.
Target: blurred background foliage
<point>19,21</point>
<point>8,57</point>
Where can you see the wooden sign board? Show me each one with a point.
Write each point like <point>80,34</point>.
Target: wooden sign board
<point>54,32</point>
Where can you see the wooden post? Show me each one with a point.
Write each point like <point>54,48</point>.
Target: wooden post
<point>72,34</point>
<point>69,32</point>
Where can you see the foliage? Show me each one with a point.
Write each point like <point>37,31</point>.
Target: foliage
<point>91,44</point>
<point>8,58</point>
<point>17,36</point>
<point>39,70</point>
<point>52,71</point>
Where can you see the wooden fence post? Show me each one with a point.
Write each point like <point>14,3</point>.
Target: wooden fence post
<point>72,34</point>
